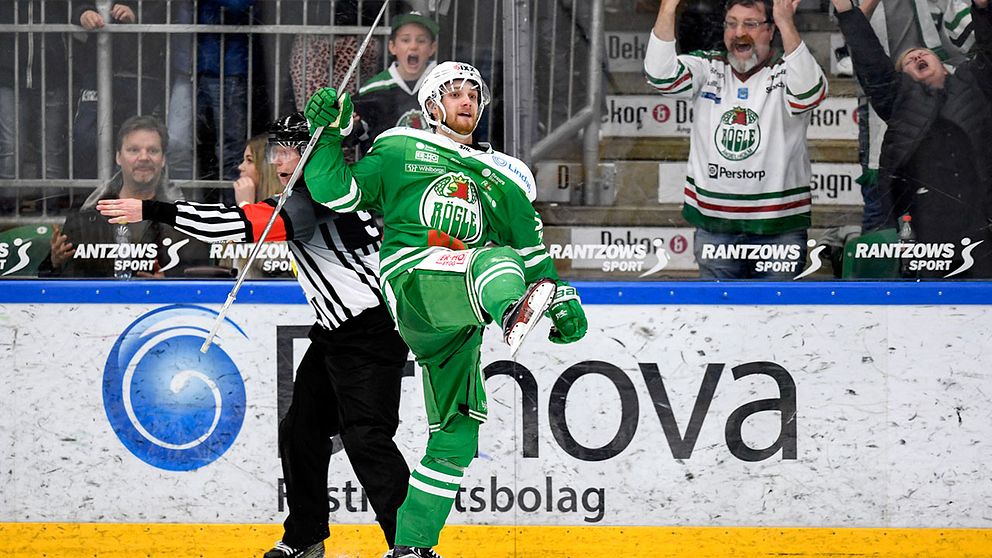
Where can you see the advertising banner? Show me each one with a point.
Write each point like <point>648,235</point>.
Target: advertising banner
<point>663,415</point>
<point>623,250</point>
<point>831,183</point>
<point>625,51</point>
<point>657,116</point>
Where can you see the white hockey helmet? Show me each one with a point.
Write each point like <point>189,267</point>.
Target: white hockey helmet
<point>445,77</point>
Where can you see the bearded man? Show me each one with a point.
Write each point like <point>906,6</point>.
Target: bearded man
<point>748,178</point>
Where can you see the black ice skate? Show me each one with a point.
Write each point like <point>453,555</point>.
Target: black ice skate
<point>522,316</point>
<point>283,550</point>
<point>414,552</point>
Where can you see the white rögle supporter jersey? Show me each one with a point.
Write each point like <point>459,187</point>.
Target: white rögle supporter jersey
<point>749,169</point>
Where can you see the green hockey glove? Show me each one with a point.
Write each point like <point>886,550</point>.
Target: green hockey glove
<point>326,109</point>
<point>568,319</point>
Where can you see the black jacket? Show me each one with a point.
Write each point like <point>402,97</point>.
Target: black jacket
<point>936,159</point>
<point>151,247</point>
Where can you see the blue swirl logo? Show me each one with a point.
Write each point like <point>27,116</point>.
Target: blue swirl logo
<point>172,406</point>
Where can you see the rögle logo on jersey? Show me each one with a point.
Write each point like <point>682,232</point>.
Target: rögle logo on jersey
<point>412,118</point>
<point>451,205</point>
<point>172,406</point>
<point>738,135</point>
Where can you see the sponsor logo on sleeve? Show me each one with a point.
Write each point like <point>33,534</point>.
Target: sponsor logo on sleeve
<point>423,169</point>
<point>426,156</point>
<point>525,180</point>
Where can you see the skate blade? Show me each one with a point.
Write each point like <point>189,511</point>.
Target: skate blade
<point>537,303</point>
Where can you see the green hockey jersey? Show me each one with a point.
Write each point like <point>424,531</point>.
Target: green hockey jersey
<point>434,194</point>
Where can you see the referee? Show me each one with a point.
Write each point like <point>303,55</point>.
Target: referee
<point>349,380</point>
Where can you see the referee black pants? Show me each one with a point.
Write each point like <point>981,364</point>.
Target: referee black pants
<point>349,384</point>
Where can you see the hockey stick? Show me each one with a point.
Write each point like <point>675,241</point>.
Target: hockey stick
<point>288,191</point>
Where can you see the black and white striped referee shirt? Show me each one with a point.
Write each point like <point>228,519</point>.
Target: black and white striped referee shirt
<point>336,254</point>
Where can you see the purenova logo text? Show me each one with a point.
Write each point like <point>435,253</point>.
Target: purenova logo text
<point>172,406</point>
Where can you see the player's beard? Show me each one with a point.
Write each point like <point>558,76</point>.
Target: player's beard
<point>459,125</point>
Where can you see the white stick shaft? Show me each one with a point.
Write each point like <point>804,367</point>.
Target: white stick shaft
<point>220,318</point>
<point>286,192</point>
<point>361,49</point>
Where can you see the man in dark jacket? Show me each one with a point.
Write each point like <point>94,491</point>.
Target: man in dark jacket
<point>936,159</point>
<point>136,68</point>
<point>87,246</point>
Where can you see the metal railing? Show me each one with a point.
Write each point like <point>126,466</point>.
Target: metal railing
<point>540,101</point>
<point>558,74</point>
<point>40,173</point>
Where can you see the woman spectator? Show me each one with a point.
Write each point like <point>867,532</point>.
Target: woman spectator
<point>258,179</point>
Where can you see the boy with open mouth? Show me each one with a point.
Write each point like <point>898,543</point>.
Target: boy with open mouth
<point>389,99</point>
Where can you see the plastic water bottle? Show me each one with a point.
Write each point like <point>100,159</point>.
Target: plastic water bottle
<point>123,236</point>
<point>906,236</point>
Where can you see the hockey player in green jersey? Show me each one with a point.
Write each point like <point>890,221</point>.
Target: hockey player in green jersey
<point>462,247</point>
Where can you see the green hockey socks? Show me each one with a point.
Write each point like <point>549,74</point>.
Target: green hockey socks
<point>435,481</point>
<point>496,280</point>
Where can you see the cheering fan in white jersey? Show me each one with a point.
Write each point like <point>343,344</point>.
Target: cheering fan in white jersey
<point>748,179</point>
